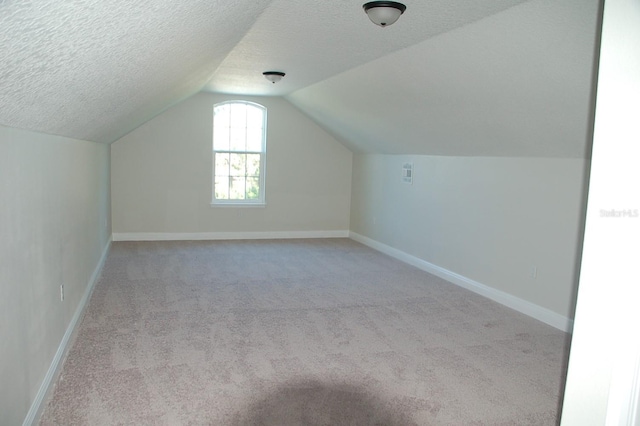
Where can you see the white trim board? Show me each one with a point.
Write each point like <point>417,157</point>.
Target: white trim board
<point>538,312</point>
<point>33,416</point>
<point>199,236</point>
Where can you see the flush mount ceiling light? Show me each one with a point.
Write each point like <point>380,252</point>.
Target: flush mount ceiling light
<point>384,13</point>
<point>273,76</point>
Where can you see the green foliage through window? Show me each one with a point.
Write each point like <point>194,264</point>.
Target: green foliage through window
<point>239,133</point>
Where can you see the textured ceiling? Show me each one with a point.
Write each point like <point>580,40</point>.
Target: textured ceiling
<point>463,77</point>
<point>94,70</point>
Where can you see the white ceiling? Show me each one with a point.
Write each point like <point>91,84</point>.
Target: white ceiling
<point>518,83</point>
<point>466,77</point>
<point>95,70</point>
<point>314,40</point>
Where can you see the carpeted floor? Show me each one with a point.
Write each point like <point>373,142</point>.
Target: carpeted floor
<point>298,332</point>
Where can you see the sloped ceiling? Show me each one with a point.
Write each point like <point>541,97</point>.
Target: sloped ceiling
<point>94,70</point>
<point>496,77</point>
<point>518,83</point>
<point>315,40</point>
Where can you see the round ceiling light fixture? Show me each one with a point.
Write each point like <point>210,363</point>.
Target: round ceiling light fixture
<point>384,13</point>
<point>273,76</point>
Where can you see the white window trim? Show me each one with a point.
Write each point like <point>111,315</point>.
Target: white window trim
<point>261,202</point>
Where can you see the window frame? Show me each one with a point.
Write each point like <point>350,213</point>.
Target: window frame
<point>252,202</point>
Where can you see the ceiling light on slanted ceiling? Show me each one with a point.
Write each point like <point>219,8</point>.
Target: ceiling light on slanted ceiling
<point>384,13</point>
<point>273,76</point>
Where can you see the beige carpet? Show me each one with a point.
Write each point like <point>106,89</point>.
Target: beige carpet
<point>299,332</point>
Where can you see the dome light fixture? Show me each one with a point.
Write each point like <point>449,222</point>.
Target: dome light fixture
<point>273,76</point>
<point>384,13</point>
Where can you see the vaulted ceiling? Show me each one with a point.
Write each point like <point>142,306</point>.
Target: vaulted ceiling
<point>497,77</point>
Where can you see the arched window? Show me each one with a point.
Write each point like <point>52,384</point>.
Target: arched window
<point>239,153</point>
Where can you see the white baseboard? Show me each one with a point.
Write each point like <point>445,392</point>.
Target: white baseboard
<point>538,312</point>
<point>198,236</point>
<point>37,406</point>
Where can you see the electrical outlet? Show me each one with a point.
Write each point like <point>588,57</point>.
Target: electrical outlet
<point>534,272</point>
<point>62,292</point>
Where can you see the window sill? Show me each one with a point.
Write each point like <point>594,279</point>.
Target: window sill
<point>241,205</point>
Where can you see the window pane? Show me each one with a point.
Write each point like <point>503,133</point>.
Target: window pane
<point>222,188</point>
<point>222,164</point>
<point>253,188</point>
<point>254,116</point>
<point>253,165</point>
<point>254,139</point>
<point>238,115</point>
<point>221,138</point>
<point>237,188</point>
<point>238,139</point>
<point>221,115</point>
<point>238,164</point>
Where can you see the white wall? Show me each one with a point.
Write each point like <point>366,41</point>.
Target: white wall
<point>161,175</point>
<point>489,219</point>
<point>54,227</point>
<point>603,382</point>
